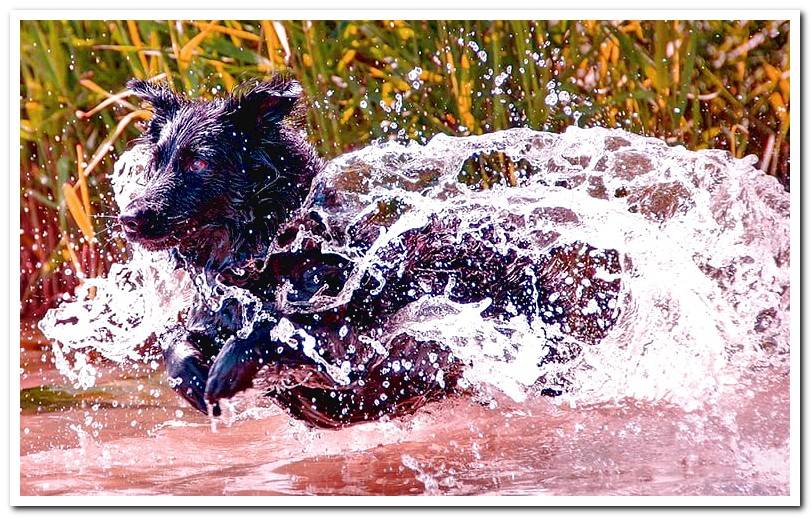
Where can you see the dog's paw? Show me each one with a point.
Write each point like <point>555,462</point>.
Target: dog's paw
<point>187,376</point>
<point>232,371</point>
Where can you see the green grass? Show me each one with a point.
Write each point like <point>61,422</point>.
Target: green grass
<point>705,84</point>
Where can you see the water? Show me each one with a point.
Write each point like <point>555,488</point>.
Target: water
<point>675,264</point>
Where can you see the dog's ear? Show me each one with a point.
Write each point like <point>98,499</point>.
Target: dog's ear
<point>258,104</point>
<point>163,100</point>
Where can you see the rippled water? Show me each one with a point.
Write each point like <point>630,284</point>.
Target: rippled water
<point>453,447</point>
<point>684,389</point>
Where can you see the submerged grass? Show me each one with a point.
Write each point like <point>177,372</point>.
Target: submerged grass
<point>703,84</point>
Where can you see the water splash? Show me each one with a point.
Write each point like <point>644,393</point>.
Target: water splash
<point>115,316</point>
<point>699,240</point>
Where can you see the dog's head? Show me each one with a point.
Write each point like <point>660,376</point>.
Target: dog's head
<point>208,160</point>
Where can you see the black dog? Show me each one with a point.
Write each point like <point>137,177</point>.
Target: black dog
<point>226,180</point>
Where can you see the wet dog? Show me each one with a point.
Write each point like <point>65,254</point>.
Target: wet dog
<point>223,189</point>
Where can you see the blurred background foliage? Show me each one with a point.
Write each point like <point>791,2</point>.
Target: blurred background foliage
<point>702,84</point>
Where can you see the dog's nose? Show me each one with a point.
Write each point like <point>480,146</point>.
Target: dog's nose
<point>135,219</point>
<point>130,222</point>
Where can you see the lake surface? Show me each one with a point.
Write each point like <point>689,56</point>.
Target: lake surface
<point>150,443</point>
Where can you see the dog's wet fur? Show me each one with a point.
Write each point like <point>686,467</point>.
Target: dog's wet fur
<point>225,181</point>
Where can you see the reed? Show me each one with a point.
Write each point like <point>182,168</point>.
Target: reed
<point>703,84</point>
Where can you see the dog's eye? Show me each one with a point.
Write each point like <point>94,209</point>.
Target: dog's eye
<point>198,165</point>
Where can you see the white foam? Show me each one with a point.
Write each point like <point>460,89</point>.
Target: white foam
<point>704,263</point>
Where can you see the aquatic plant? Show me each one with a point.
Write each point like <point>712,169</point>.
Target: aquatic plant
<point>704,84</point>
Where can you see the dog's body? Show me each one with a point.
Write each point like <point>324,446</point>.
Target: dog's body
<point>226,180</point>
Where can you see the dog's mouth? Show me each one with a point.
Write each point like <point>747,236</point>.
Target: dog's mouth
<point>187,233</point>
<point>168,238</point>
<point>153,243</point>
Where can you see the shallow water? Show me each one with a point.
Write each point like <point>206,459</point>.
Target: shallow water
<point>459,446</point>
<point>158,446</point>
<point>687,391</point>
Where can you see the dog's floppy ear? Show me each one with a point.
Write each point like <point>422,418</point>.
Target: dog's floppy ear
<point>163,100</point>
<point>257,104</point>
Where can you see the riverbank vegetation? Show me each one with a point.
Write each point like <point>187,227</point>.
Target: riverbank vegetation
<point>702,84</point>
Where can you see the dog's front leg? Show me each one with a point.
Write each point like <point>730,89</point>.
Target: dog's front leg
<point>188,372</point>
<point>240,359</point>
<point>233,369</point>
<point>238,362</point>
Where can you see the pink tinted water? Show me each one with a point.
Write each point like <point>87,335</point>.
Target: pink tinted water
<point>717,225</point>
<point>152,443</point>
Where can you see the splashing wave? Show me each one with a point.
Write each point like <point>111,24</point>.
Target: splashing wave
<point>672,265</point>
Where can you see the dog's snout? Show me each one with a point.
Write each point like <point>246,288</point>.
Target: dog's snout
<point>137,219</point>
<point>131,222</point>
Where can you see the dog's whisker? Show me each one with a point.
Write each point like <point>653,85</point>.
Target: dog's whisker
<point>105,232</point>
<point>267,186</point>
